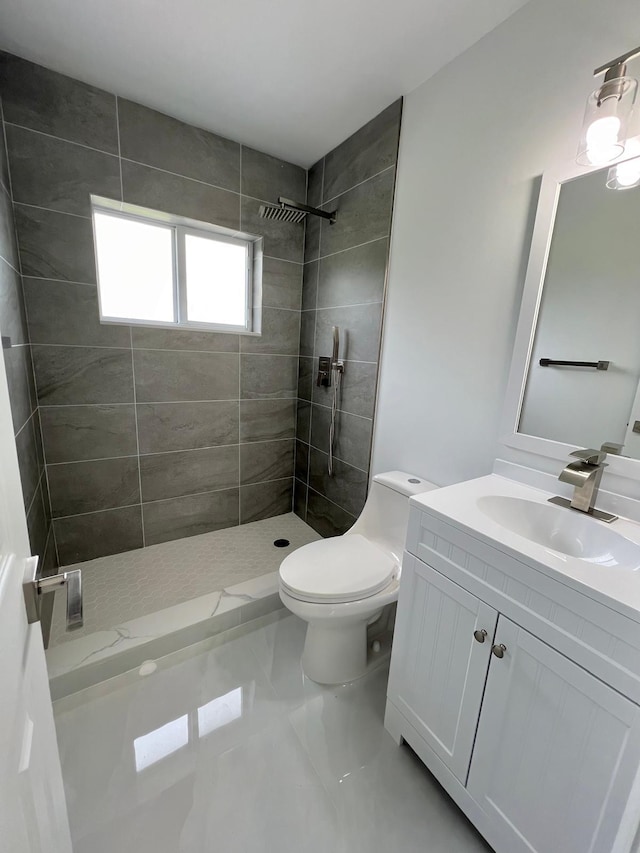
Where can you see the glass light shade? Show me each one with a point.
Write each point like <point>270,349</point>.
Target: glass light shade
<point>625,175</point>
<point>606,120</point>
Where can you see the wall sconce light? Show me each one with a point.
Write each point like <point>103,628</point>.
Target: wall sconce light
<point>625,175</point>
<point>606,118</point>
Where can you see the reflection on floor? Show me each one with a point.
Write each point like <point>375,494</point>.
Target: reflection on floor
<point>227,747</point>
<point>127,586</point>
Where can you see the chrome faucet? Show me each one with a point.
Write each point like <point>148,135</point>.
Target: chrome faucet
<point>585,475</point>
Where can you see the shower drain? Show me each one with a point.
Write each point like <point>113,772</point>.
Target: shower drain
<point>281,543</point>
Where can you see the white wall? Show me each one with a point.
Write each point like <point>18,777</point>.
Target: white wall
<point>475,139</point>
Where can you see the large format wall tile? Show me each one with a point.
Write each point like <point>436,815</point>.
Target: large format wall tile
<point>79,487</point>
<point>98,534</point>
<point>189,472</point>
<point>19,367</point>
<point>357,390</point>
<point>13,321</point>
<point>184,339</point>
<point>190,516</point>
<point>30,467</point>
<point>327,518</point>
<point>158,140</point>
<point>364,214</point>
<point>280,333</point>
<point>82,375</point>
<point>359,327</point>
<point>353,436</point>
<point>267,420</point>
<point>187,396</point>
<point>158,190</point>
<point>163,376</point>
<point>61,312</point>
<point>348,486</point>
<point>267,178</point>
<point>38,523</point>
<point>264,500</point>
<point>353,276</point>
<point>40,99</point>
<point>55,245</point>
<point>164,427</point>
<point>73,433</point>
<point>264,376</point>
<point>59,175</point>
<point>282,240</point>
<point>302,461</point>
<point>281,284</point>
<point>8,245</point>
<point>367,152</point>
<point>266,460</point>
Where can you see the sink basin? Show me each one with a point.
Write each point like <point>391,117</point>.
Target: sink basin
<point>565,531</point>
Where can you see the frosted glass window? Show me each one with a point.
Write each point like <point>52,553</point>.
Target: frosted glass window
<point>216,274</point>
<point>158,269</point>
<point>135,268</point>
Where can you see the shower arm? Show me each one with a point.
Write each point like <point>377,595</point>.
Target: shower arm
<point>289,204</point>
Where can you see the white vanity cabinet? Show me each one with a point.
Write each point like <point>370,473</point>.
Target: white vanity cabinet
<point>542,754</point>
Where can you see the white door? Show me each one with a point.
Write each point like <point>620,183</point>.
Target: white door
<point>33,817</point>
<point>556,758</point>
<point>441,652</point>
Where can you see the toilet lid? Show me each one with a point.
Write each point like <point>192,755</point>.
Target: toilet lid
<point>346,568</point>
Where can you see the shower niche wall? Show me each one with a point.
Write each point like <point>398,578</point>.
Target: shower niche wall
<point>148,434</point>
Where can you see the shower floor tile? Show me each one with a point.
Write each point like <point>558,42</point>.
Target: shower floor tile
<point>124,587</point>
<point>226,746</point>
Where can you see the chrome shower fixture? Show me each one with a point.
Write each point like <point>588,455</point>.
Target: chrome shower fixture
<point>287,210</point>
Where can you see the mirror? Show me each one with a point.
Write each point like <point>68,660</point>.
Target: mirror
<point>589,313</point>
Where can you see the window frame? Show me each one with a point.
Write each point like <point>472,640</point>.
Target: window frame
<point>181,227</point>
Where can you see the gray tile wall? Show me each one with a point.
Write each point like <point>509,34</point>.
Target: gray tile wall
<point>149,434</point>
<point>344,284</point>
<point>19,368</point>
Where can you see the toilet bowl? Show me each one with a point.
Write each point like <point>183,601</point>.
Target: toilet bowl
<point>340,586</point>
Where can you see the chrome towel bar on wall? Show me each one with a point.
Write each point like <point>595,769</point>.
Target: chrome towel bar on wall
<point>599,365</point>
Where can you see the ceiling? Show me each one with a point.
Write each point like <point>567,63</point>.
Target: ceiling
<point>290,77</point>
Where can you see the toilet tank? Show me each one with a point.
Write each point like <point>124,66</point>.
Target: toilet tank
<point>385,515</point>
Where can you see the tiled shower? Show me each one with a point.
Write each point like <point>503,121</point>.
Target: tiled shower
<point>130,436</point>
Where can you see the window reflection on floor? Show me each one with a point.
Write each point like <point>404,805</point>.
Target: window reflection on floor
<point>172,736</point>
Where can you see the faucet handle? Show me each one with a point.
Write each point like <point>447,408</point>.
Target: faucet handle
<point>590,456</point>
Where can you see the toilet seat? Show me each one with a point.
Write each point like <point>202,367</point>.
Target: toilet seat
<point>334,571</point>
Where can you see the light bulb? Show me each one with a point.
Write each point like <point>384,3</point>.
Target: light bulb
<point>602,140</point>
<point>628,173</point>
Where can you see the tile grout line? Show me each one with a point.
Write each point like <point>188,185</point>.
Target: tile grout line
<point>359,184</point>
<point>36,411</point>
<point>135,416</point>
<point>315,330</point>
<point>169,452</point>
<point>119,150</point>
<point>172,498</point>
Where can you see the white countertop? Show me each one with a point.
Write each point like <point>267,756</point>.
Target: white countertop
<point>616,587</point>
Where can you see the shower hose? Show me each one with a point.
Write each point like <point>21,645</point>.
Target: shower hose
<point>337,378</point>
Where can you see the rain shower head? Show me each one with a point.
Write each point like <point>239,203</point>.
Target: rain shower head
<point>292,211</point>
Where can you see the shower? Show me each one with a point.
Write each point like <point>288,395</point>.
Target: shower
<point>337,369</point>
<point>287,210</point>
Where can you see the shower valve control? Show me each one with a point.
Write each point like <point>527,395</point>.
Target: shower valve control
<point>324,371</point>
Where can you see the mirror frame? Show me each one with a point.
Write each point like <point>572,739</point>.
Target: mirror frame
<point>552,181</point>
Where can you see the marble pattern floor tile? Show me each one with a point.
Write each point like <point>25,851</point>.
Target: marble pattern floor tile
<point>227,746</point>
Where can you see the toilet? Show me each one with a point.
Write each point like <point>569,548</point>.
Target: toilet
<point>339,586</point>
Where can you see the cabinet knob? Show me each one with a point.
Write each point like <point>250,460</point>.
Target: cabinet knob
<point>499,650</point>
<point>480,636</point>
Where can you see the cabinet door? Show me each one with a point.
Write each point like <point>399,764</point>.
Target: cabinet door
<point>556,753</point>
<point>438,668</point>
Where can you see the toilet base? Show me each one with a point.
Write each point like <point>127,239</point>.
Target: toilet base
<point>339,655</point>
